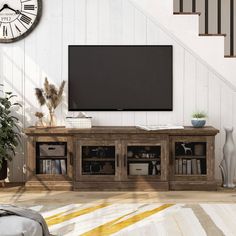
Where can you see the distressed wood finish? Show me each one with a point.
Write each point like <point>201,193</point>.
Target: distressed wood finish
<point>120,138</point>
<point>192,181</point>
<point>46,181</point>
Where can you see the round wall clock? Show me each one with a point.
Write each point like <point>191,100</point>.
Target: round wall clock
<point>18,18</point>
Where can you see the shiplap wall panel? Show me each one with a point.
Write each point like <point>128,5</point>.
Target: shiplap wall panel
<point>7,74</point>
<point>178,84</point>
<point>201,87</point>
<point>79,25</point>
<point>140,38</point>
<point>128,22</point>
<point>189,87</point>
<point>104,19</point>
<point>214,115</point>
<point>92,22</point>
<point>68,38</point>
<point>17,88</point>
<point>152,39</point>
<point>44,53</point>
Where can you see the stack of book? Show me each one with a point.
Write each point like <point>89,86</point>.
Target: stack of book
<point>187,166</point>
<point>53,166</point>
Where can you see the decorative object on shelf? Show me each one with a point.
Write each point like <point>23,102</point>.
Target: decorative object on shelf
<point>227,165</point>
<point>130,154</point>
<point>51,97</point>
<point>40,122</point>
<point>107,168</point>
<point>18,19</point>
<point>82,121</point>
<point>187,150</point>
<point>9,131</point>
<point>199,149</point>
<point>198,119</point>
<point>95,167</point>
<point>154,167</point>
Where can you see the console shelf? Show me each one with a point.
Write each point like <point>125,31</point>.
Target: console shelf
<point>122,158</point>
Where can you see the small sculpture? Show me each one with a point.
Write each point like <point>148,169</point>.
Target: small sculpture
<point>154,170</point>
<point>227,165</point>
<point>186,149</point>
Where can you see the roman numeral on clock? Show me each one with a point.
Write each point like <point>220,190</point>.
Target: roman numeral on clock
<point>17,28</point>
<point>29,7</point>
<point>4,31</point>
<point>25,19</point>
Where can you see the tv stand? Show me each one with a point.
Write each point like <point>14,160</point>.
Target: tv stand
<point>121,158</point>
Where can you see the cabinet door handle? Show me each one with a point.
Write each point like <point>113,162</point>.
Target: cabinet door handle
<point>125,160</point>
<point>71,158</point>
<point>117,160</point>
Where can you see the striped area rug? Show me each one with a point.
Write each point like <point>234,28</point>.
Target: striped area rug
<point>142,219</point>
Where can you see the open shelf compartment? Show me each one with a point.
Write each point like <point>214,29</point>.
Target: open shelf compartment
<point>51,158</point>
<point>190,158</point>
<point>144,160</point>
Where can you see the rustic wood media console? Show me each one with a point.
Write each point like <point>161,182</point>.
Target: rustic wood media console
<point>121,158</point>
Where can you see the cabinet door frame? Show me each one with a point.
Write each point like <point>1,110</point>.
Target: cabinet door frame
<point>210,161</point>
<point>97,178</point>
<point>163,143</point>
<point>31,158</point>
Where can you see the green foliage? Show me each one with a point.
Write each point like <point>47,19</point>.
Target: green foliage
<point>199,114</point>
<point>9,131</point>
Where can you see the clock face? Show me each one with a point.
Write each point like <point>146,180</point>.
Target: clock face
<point>18,18</point>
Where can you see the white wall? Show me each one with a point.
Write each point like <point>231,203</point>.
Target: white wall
<point>23,66</point>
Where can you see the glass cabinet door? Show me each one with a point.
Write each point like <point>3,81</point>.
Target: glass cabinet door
<point>190,158</point>
<point>97,161</point>
<point>142,161</point>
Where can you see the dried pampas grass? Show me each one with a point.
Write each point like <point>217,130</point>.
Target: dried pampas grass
<point>50,95</point>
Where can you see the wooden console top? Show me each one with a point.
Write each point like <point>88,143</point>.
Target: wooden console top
<point>188,130</point>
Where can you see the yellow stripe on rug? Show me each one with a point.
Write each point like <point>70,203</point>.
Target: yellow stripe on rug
<point>113,227</point>
<point>60,217</point>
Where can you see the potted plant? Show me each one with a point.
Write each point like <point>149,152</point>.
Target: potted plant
<point>9,132</point>
<point>198,119</point>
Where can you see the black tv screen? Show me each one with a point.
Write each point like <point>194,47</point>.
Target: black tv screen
<point>123,78</point>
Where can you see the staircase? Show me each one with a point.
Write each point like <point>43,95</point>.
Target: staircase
<point>204,44</point>
<point>216,18</point>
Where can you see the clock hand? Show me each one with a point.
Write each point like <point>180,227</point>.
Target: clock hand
<point>5,6</point>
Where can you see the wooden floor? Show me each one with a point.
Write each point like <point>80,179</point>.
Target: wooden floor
<point>131,213</point>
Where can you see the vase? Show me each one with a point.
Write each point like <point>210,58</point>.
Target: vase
<point>40,123</point>
<point>52,119</point>
<point>227,165</point>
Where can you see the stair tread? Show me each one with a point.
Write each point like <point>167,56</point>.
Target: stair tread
<point>212,35</point>
<point>187,13</point>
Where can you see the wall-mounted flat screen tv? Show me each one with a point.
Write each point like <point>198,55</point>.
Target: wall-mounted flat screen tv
<point>120,78</point>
